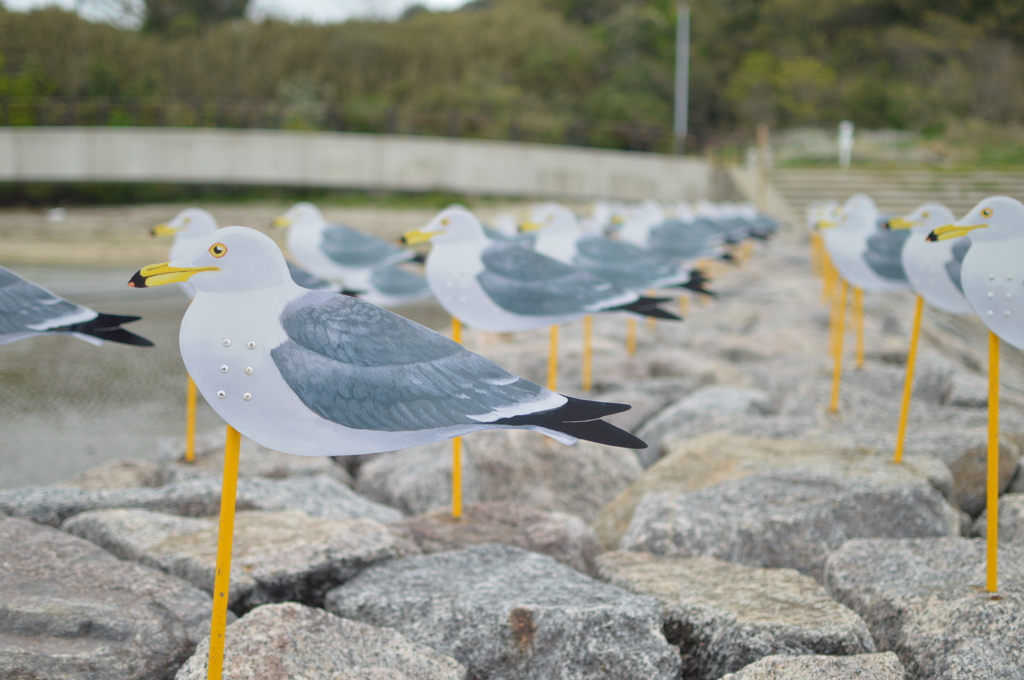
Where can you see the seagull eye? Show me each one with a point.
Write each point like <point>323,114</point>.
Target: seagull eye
<point>218,250</point>
<point>987,212</point>
<point>924,215</point>
<point>187,220</point>
<point>445,222</point>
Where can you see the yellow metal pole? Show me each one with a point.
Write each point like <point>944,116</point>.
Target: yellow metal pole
<point>652,323</point>
<point>222,579</point>
<point>190,423</point>
<point>908,385</point>
<point>684,305</point>
<point>457,444</point>
<point>992,497</point>
<point>828,278</point>
<point>858,309</point>
<point>631,336</point>
<point>838,373</point>
<point>588,351</point>
<point>553,360</point>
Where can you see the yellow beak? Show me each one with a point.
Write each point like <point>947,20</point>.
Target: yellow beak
<point>618,219</point>
<point>160,274</point>
<point>529,226</point>
<point>949,231</point>
<point>826,224</point>
<point>164,230</point>
<point>415,236</point>
<point>282,221</point>
<point>902,223</point>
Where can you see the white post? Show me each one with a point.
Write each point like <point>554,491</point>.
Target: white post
<point>845,144</point>
<point>682,99</point>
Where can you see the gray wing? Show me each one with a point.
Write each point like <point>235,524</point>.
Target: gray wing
<point>27,308</point>
<point>397,282</point>
<point>624,264</point>
<point>352,248</point>
<point>883,253</point>
<point>684,241</point>
<point>526,282</point>
<point>366,368</point>
<point>954,266</point>
<point>307,280</point>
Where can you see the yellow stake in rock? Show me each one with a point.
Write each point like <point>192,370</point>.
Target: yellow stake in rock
<point>190,423</point>
<point>457,444</point>
<point>992,496</point>
<point>858,309</point>
<point>652,323</point>
<point>222,579</point>
<point>837,375</point>
<point>631,336</point>
<point>588,349</point>
<point>908,386</point>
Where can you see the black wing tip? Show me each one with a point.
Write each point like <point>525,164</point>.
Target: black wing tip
<point>648,306</point>
<point>698,281</point>
<point>581,418</point>
<point>932,236</point>
<point>419,258</point>
<point>351,293</point>
<point>107,327</point>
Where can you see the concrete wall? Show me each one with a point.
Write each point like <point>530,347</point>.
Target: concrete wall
<point>344,160</point>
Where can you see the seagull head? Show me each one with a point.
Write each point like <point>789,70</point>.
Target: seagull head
<point>230,260</point>
<point>451,225</point>
<point>924,218</point>
<point>551,217</point>
<point>300,214</point>
<point>996,218</point>
<point>192,223</point>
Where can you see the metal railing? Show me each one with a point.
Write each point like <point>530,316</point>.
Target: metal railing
<point>521,126</point>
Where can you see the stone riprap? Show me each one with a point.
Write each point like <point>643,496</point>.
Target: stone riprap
<point>695,464</point>
<point>1011,520</point>
<point>884,666</point>
<point>925,599</point>
<point>725,616</point>
<point>516,466</point>
<point>786,519</point>
<point>509,613</point>
<point>564,537</point>
<point>318,496</point>
<point>276,556</point>
<point>279,641</point>
<point>71,610</point>
<point>702,408</point>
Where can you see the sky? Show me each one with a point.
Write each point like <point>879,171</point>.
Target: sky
<point>309,10</point>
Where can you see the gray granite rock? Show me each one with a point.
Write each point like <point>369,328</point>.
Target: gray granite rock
<point>516,466</point>
<point>706,404</point>
<point>1017,486</point>
<point>509,613</point>
<point>724,616</point>
<point>254,461</point>
<point>926,601</point>
<point>1011,520</point>
<point>884,666</point>
<point>418,479</point>
<point>276,556</point>
<point>318,496</point>
<point>786,519</point>
<point>71,610</point>
<point>714,458</point>
<point>279,641</point>
<point>564,537</point>
<point>121,473</point>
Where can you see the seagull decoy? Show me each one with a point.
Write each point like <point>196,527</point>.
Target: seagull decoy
<point>318,374</point>
<point>28,310</point>
<point>991,277</point>
<point>626,265</point>
<point>333,251</point>
<point>505,287</point>
<point>933,270</point>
